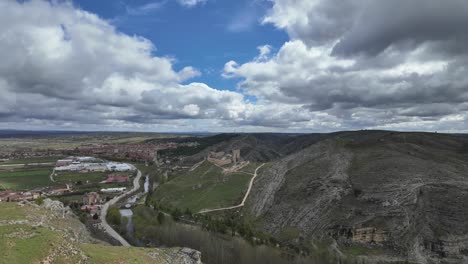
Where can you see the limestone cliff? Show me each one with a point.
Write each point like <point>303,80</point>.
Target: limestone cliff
<point>404,193</point>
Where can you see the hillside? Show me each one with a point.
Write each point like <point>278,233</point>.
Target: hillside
<point>402,194</point>
<point>51,234</point>
<point>254,147</point>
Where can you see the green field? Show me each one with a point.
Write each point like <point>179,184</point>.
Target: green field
<point>25,178</point>
<point>204,188</point>
<point>31,160</point>
<point>73,177</point>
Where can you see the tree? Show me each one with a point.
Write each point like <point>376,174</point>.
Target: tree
<point>188,212</point>
<point>176,214</point>
<point>161,218</point>
<point>113,216</point>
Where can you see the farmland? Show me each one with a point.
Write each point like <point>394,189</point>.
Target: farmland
<point>24,178</point>
<point>50,160</point>
<point>74,177</point>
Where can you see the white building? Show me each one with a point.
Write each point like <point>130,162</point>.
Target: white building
<point>71,167</point>
<point>113,190</point>
<point>112,166</point>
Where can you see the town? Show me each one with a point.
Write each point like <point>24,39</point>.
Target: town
<point>86,182</point>
<point>133,152</point>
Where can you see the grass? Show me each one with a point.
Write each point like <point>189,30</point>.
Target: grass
<point>11,211</point>
<point>204,188</point>
<point>31,160</point>
<point>100,254</point>
<point>25,178</point>
<point>25,244</point>
<point>251,167</point>
<point>73,177</point>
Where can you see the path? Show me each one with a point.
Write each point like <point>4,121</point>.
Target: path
<point>105,207</point>
<point>51,176</point>
<point>243,200</point>
<point>194,167</point>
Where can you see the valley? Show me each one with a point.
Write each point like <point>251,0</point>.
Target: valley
<point>365,196</point>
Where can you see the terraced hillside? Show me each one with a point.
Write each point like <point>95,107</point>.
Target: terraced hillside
<point>50,234</point>
<point>404,194</point>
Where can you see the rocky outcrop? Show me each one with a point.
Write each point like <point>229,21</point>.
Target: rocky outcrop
<point>67,238</point>
<point>184,256</point>
<point>403,191</point>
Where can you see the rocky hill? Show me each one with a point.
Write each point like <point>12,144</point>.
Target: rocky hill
<point>402,195</point>
<point>257,147</point>
<point>51,234</point>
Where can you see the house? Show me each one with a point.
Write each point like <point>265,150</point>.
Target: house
<point>10,196</point>
<point>91,209</point>
<point>91,198</point>
<point>116,178</point>
<point>59,190</point>
<point>64,162</point>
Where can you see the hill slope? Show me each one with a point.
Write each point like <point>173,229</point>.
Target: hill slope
<point>50,234</point>
<point>404,192</point>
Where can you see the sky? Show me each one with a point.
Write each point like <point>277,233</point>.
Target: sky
<point>234,66</point>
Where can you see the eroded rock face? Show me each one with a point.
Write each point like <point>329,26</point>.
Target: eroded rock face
<point>184,256</point>
<point>406,192</point>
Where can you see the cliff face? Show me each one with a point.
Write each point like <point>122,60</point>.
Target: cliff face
<point>50,233</point>
<point>404,192</point>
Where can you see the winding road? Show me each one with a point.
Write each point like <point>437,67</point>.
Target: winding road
<point>105,207</point>
<point>243,200</point>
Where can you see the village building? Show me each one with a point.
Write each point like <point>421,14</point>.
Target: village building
<point>10,196</point>
<point>64,162</point>
<point>369,235</point>
<point>91,198</point>
<point>112,166</point>
<point>111,178</point>
<point>222,159</point>
<point>113,190</point>
<point>91,209</point>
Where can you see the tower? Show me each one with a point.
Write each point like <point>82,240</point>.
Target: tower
<point>235,155</point>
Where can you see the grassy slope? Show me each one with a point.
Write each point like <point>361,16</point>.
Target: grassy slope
<point>115,255</point>
<point>205,187</point>
<point>23,243</point>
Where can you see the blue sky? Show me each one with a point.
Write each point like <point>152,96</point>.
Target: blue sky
<point>205,36</point>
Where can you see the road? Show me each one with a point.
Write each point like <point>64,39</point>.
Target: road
<point>243,200</point>
<point>105,207</point>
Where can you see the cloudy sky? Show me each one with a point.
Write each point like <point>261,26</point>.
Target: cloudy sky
<point>246,65</point>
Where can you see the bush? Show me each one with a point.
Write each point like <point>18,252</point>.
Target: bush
<point>40,201</point>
